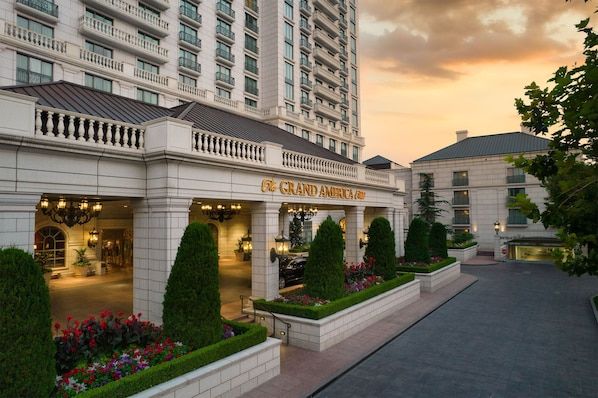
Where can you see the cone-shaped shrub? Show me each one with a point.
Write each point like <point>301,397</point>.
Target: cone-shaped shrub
<point>416,244</point>
<point>381,246</point>
<point>26,346</point>
<point>325,270</point>
<point>438,240</point>
<point>192,299</point>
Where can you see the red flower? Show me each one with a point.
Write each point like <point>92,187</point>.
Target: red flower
<point>57,326</point>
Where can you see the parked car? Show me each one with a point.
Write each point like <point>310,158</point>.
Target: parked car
<point>290,271</point>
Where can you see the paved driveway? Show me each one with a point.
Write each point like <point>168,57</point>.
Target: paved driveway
<point>523,330</point>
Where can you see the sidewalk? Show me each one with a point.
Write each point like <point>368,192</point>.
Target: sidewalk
<point>303,372</point>
<point>480,260</point>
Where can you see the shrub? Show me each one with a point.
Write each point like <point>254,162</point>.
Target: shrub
<point>381,247</point>
<point>416,244</point>
<point>324,271</point>
<point>437,240</point>
<point>426,268</point>
<point>462,237</point>
<point>26,347</point>
<point>192,299</point>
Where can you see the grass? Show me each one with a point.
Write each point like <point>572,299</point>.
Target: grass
<point>427,268</point>
<point>322,311</point>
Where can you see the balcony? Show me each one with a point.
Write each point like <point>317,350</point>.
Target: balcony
<point>460,201</point>
<point>225,11</point>
<point>252,5</point>
<point>326,111</point>
<point>516,179</point>
<point>225,79</point>
<point>326,93</point>
<point>252,26</point>
<point>342,21</point>
<point>42,9</point>
<point>190,15</point>
<point>345,119</point>
<point>516,219</point>
<point>132,14</point>
<point>158,4</point>
<point>305,64</point>
<point>461,220</point>
<point>252,91</point>
<point>305,8</point>
<point>306,83</point>
<point>326,75</point>
<point>151,77</point>
<point>344,54</point>
<point>100,60</point>
<point>304,45</point>
<point>460,181</point>
<point>251,68</point>
<point>252,47</point>
<point>190,41</point>
<point>225,56</point>
<point>306,103</point>
<point>190,66</point>
<point>342,6</point>
<point>344,70</point>
<point>327,8</point>
<point>344,86</point>
<point>225,34</point>
<point>106,33</point>
<point>344,102</point>
<point>34,39</point>
<point>322,21</point>
<point>326,41</point>
<point>325,57</point>
<point>305,26</point>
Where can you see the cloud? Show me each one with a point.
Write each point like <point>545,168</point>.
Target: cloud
<point>434,39</point>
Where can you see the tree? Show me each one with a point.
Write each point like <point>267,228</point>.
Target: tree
<point>296,232</point>
<point>428,201</point>
<point>381,247</point>
<point>192,298</point>
<point>27,350</point>
<point>416,244</point>
<point>569,171</point>
<point>437,240</point>
<point>325,270</point>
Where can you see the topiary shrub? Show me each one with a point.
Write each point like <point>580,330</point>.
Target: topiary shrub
<point>381,247</point>
<point>416,244</point>
<point>192,299</point>
<point>26,345</point>
<point>325,271</point>
<point>437,240</point>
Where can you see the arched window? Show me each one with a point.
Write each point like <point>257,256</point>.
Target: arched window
<point>51,241</point>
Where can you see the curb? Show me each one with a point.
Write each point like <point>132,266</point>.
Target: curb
<point>594,308</point>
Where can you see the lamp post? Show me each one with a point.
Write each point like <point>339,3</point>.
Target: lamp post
<point>496,227</point>
<point>281,248</point>
<point>366,238</point>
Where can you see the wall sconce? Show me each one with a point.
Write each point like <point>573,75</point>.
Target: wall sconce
<point>281,249</point>
<point>246,243</point>
<point>94,237</point>
<point>366,238</point>
<point>496,227</point>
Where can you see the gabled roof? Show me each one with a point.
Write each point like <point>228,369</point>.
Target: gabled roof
<point>488,145</point>
<point>76,98</point>
<point>377,160</point>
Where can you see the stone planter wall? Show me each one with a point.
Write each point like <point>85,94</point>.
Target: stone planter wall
<point>231,376</point>
<point>430,282</point>
<point>318,335</point>
<point>463,255</point>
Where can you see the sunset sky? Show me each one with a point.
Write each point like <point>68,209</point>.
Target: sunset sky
<point>431,67</point>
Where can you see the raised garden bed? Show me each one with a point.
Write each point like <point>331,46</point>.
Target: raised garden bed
<point>318,327</point>
<point>436,275</point>
<point>467,252</point>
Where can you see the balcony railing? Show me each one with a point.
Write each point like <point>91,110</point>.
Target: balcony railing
<point>97,59</point>
<point>252,26</point>
<point>304,7</point>
<point>461,220</point>
<point>190,64</point>
<point>251,68</point>
<point>252,47</point>
<point>225,9</point>
<point>306,102</point>
<point>150,76</point>
<point>461,201</point>
<point>305,25</point>
<point>460,181</point>
<point>190,39</point>
<point>304,44</point>
<point>223,31</point>
<point>252,5</point>
<point>226,55</point>
<point>45,6</point>
<point>516,219</point>
<point>305,63</point>
<point>252,90</point>
<point>34,38</point>
<point>190,13</point>
<point>516,179</point>
<point>225,78</point>
<point>306,82</point>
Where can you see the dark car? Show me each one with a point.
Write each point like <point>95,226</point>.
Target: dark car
<point>291,271</point>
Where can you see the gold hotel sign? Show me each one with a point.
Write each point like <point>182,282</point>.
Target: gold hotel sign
<point>296,188</point>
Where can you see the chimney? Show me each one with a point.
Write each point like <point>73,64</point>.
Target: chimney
<point>526,130</point>
<point>461,135</point>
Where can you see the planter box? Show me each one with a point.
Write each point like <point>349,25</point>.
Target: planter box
<point>231,376</point>
<point>432,281</point>
<point>464,254</point>
<point>318,335</point>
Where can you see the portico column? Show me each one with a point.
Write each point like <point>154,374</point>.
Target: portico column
<point>264,228</point>
<point>17,220</point>
<point>159,224</point>
<point>354,231</point>
<point>399,230</point>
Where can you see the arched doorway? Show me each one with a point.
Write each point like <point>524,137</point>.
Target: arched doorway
<point>50,243</point>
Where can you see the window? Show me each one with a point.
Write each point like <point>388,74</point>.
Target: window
<point>353,51</point>
<point>251,64</point>
<point>305,113</point>
<point>100,17</point>
<point>516,217</point>
<point>99,83</point>
<point>152,11</point>
<point>515,175</point>
<point>332,145</point>
<point>512,192</point>
<point>148,67</point>
<point>290,128</point>
<point>223,50</point>
<point>354,81</point>
<point>460,178</point>
<point>251,23</point>
<point>461,217</point>
<point>149,38</point>
<point>288,9</point>
<point>289,91</point>
<point>250,102</point>
<point>460,198</point>
<point>222,93</point>
<point>187,34</point>
<point>319,139</point>
<point>290,107</point>
<point>35,26</point>
<point>251,43</point>
<point>288,72</point>
<point>251,85</point>
<point>344,149</point>
<point>188,8</point>
<point>98,49</point>
<point>33,70</point>
<point>223,70</point>
<point>304,59</point>
<point>305,134</point>
<point>189,81</point>
<point>223,27</point>
<point>288,50</point>
<point>147,96</point>
<point>52,242</point>
<point>356,153</point>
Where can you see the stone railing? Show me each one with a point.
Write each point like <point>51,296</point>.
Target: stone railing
<point>314,164</point>
<point>227,148</point>
<point>380,177</point>
<point>34,38</point>
<point>100,60</point>
<point>152,77</point>
<point>135,12</point>
<point>193,90</point>
<point>79,128</point>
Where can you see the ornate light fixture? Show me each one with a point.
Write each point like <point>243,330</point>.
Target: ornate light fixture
<point>70,212</point>
<point>94,237</point>
<point>366,237</point>
<point>303,213</point>
<point>282,247</point>
<point>246,243</point>
<point>497,227</point>
<point>221,212</point>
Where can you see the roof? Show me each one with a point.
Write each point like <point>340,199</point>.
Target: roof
<point>488,145</point>
<point>377,160</point>
<point>76,98</point>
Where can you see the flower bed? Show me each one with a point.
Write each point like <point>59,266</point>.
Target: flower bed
<point>436,264</point>
<point>436,275</point>
<point>119,357</point>
<point>469,251</point>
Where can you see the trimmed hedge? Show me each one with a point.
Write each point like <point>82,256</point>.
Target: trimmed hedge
<point>457,246</point>
<point>252,334</point>
<point>381,247</point>
<point>422,269</point>
<point>437,240</point>
<point>26,346</point>
<point>416,244</point>
<point>322,311</point>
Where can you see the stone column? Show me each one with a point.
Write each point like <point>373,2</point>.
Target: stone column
<point>399,230</point>
<point>17,220</point>
<point>354,231</point>
<point>264,228</point>
<point>159,224</point>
